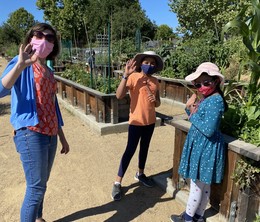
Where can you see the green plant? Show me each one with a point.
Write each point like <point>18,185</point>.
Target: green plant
<point>78,74</point>
<point>246,174</point>
<point>12,50</point>
<point>257,218</point>
<point>248,28</point>
<point>247,104</point>
<point>241,120</point>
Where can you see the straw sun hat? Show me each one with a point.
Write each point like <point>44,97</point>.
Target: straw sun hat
<point>140,57</point>
<point>205,67</point>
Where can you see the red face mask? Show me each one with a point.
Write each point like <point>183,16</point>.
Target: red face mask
<point>207,90</point>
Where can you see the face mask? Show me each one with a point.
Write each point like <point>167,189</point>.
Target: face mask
<point>147,69</point>
<point>207,90</point>
<point>43,47</point>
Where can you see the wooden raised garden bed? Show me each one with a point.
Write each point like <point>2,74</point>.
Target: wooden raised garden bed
<point>226,197</point>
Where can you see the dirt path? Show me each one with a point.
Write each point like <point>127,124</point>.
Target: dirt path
<point>80,185</point>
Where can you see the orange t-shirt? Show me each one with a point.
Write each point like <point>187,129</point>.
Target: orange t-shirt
<point>142,111</point>
<point>45,87</point>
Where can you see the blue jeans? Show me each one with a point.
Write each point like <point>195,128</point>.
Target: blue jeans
<point>136,134</point>
<point>37,152</point>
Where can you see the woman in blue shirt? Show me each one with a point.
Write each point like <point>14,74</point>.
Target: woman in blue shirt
<point>35,114</point>
<point>203,155</point>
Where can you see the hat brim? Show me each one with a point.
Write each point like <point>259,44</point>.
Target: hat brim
<point>140,57</point>
<point>197,74</point>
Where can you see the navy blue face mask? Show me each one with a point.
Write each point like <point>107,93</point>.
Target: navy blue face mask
<point>148,69</point>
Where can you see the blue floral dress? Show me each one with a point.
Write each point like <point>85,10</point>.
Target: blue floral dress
<point>203,155</point>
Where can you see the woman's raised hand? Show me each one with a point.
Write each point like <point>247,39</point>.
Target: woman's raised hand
<point>26,56</point>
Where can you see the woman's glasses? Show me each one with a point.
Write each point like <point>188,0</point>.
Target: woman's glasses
<point>49,37</point>
<point>205,83</point>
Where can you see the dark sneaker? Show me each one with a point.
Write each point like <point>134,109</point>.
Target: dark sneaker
<point>116,192</point>
<point>177,218</point>
<point>199,220</point>
<point>144,180</point>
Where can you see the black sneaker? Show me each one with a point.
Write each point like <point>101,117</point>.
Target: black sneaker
<point>203,219</point>
<point>177,218</point>
<point>116,192</point>
<point>144,180</point>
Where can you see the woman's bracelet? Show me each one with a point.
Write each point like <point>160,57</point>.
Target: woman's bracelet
<point>124,77</point>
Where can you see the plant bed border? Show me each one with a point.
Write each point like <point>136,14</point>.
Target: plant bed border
<point>227,193</point>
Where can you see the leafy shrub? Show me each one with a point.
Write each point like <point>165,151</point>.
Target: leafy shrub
<point>247,175</point>
<point>257,219</point>
<point>242,120</point>
<point>12,50</point>
<point>77,73</point>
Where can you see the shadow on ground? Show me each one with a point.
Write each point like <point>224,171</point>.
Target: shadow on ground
<point>4,108</point>
<point>142,198</point>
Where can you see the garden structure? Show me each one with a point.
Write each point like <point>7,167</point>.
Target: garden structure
<point>106,108</point>
<point>226,198</point>
<point>232,203</point>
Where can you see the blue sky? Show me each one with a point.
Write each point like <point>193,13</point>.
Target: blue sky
<point>156,10</point>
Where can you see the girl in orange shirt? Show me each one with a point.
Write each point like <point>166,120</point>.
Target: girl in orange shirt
<point>144,94</point>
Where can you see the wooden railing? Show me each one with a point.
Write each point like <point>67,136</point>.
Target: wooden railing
<point>105,107</point>
<point>227,193</point>
<point>175,89</point>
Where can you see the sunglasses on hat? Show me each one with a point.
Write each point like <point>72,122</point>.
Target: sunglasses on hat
<point>40,35</point>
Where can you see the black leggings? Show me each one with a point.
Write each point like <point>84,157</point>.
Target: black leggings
<point>136,133</point>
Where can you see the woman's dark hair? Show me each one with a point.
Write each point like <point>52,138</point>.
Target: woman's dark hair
<point>220,91</point>
<point>42,27</point>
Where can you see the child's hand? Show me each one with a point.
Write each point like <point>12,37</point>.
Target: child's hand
<point>151,97</point>
<point>150,94</point>
<point>130,67</point>
<point>191,101</point>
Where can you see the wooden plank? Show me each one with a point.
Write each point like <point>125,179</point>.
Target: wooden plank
<point>223,194</point>
<point>107,110</point>
<point>179,140</point>
<point>73,98</point>
<point>68,93</point>
<point>114,110</point>
<point>93,105</point>
<point>86,103</point>
<point>80,99</point>
<point>96,109</point>
<point>162,89</point>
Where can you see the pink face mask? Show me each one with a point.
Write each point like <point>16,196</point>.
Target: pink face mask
<point>207,90</point>
<point>43,47</point>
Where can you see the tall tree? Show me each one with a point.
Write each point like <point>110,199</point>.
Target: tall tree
<point>164,32</point>
<point>199,16</point>
<point>78,17</point>
<point>19,22</point>
<point>66,15</point>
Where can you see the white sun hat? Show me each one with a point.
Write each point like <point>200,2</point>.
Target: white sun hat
<point>205,67</point>
<point>139,57</point>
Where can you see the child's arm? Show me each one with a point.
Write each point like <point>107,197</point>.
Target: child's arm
<point>208,122</point>
<point>122,89</point>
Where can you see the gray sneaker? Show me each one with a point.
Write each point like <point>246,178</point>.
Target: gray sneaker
<point>144,180</point>
<point>116,192</point>
<point>177,218</point>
